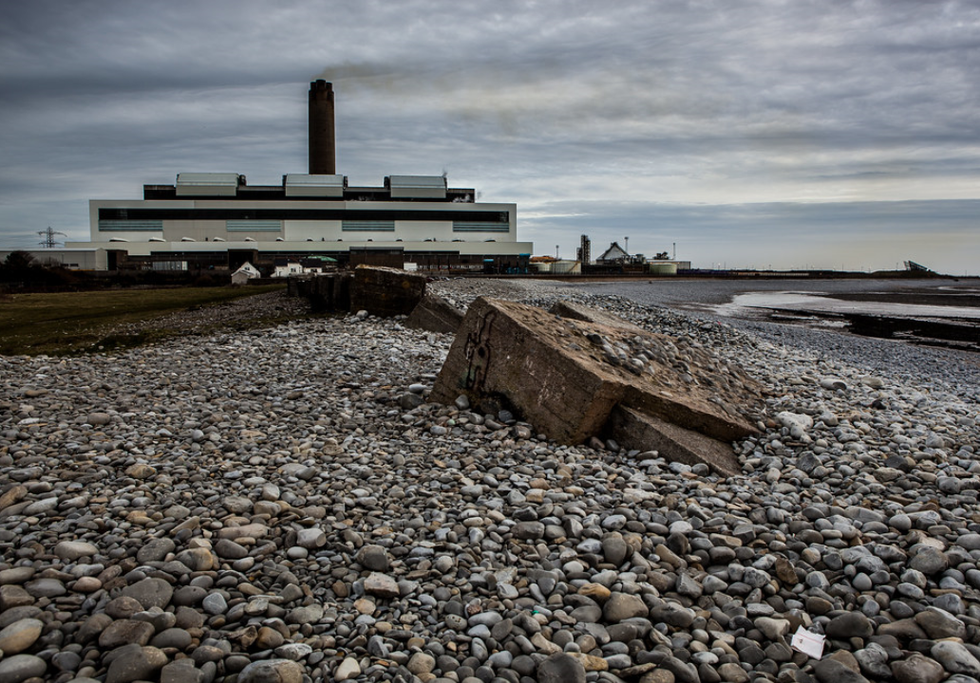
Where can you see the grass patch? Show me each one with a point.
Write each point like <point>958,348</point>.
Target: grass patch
<point>75,322</point>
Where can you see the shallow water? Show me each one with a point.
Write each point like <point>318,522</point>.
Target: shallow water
<point>822,303</point>
<point>935,312</point>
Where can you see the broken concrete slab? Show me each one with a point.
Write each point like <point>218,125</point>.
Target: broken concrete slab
<point>435,314</point>
<point>567,377</point>
<point>385,292</point>
<point>674,443</point>
<point>574,311</point>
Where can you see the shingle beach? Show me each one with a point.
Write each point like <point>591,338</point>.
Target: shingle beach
<point>283,505</point>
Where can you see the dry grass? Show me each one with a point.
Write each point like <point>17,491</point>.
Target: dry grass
<point>77,322</point>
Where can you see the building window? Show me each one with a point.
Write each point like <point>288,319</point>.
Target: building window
<point>368,226</point>
<point>471,226</point>
<point>253,226</point>
<point>122,225</point>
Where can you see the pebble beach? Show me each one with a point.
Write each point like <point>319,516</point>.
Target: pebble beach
<point>283,505</point>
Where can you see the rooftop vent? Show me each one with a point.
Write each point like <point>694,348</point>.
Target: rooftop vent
<point>208,184</point>
<point>304,185</point>
<point>416,186</point>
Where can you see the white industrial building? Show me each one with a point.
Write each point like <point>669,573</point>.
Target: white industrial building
<point>216,221</point>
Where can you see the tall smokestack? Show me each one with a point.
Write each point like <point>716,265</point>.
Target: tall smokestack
<point>322,144</point>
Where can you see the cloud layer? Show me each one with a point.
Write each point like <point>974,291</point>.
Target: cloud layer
<point>761,132</point>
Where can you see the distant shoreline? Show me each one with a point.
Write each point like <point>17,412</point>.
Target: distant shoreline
<point>877,310</point>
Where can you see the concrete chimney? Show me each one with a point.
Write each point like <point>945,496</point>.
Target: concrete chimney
<point>323,158</point>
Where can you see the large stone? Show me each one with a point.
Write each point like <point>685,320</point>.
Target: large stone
<point>311,538</point>
<point>20,635</point>
<point>14,596</point>
<point>135,663</point>
<point>435,314</point>
<point>567,378</point>
<point>674,443</point>
<point>73,550</point>
<point>93,627</point>
<point>615,548</point>
<point>155,550</point>
<point>150,592</point>
<point>929,561</point>
<point>561,668</point>
<point>181,671</point>
<point>955,658</point>
<point>421,663</point>
<point>349,668</point>
<point>917,669</point>
<point>381,585</point>
<point>832,671</point>
<point>15,614</point>
<point>13,495</point>
<point>373,558</point>
<point>850,625</point>
<point>21,667</point>
<point>939,624</point>
<point>385,292</point>
<point>272,671</point>
<point>622,606</point>
<point>307,614</point>
<point>197,559</point>
<point>125,632</point>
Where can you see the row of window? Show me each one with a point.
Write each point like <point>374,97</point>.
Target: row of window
<point>110,225</point>
<point>248,214</point>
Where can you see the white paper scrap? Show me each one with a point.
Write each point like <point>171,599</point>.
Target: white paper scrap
<point>809,643</point>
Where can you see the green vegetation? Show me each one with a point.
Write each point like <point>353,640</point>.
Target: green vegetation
<point>77,322</point>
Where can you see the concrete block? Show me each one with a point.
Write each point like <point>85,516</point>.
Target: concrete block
<point>567,376</point>
<point>385,292</point>
<point>574,311</point>
<point>676,444</point>
<point>435,314</point>
<point>326,293</point>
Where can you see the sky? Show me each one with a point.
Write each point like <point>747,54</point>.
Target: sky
<point>738,133</point>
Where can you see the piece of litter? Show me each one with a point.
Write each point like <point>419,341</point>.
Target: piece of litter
<point>809,643</point>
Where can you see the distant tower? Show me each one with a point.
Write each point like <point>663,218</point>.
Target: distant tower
<point>585,251</point>
<point>49,241</point>
<point>323,158</point>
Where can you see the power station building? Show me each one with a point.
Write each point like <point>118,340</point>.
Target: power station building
<point>218,221</point>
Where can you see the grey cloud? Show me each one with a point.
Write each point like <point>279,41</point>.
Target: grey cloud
<point>558,100</point>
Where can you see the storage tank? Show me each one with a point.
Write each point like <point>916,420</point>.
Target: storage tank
<point>663,268</point>
<point>566,267</point>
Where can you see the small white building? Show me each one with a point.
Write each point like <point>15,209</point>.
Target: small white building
<point>245,273</point>
<point>288,269</point>
<point>313,265</point>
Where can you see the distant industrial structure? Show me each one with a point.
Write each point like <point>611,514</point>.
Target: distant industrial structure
<point>584,252</point>
<point>216,221</point>
<point>615,260</point>
<point>618,260</point>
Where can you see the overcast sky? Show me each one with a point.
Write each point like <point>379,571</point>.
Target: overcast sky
<point>783,133</point>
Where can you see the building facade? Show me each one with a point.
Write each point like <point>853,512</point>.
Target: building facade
<point>217,221</point>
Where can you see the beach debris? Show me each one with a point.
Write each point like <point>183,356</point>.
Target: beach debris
<point>435,314</point>
<point>579,379</point>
